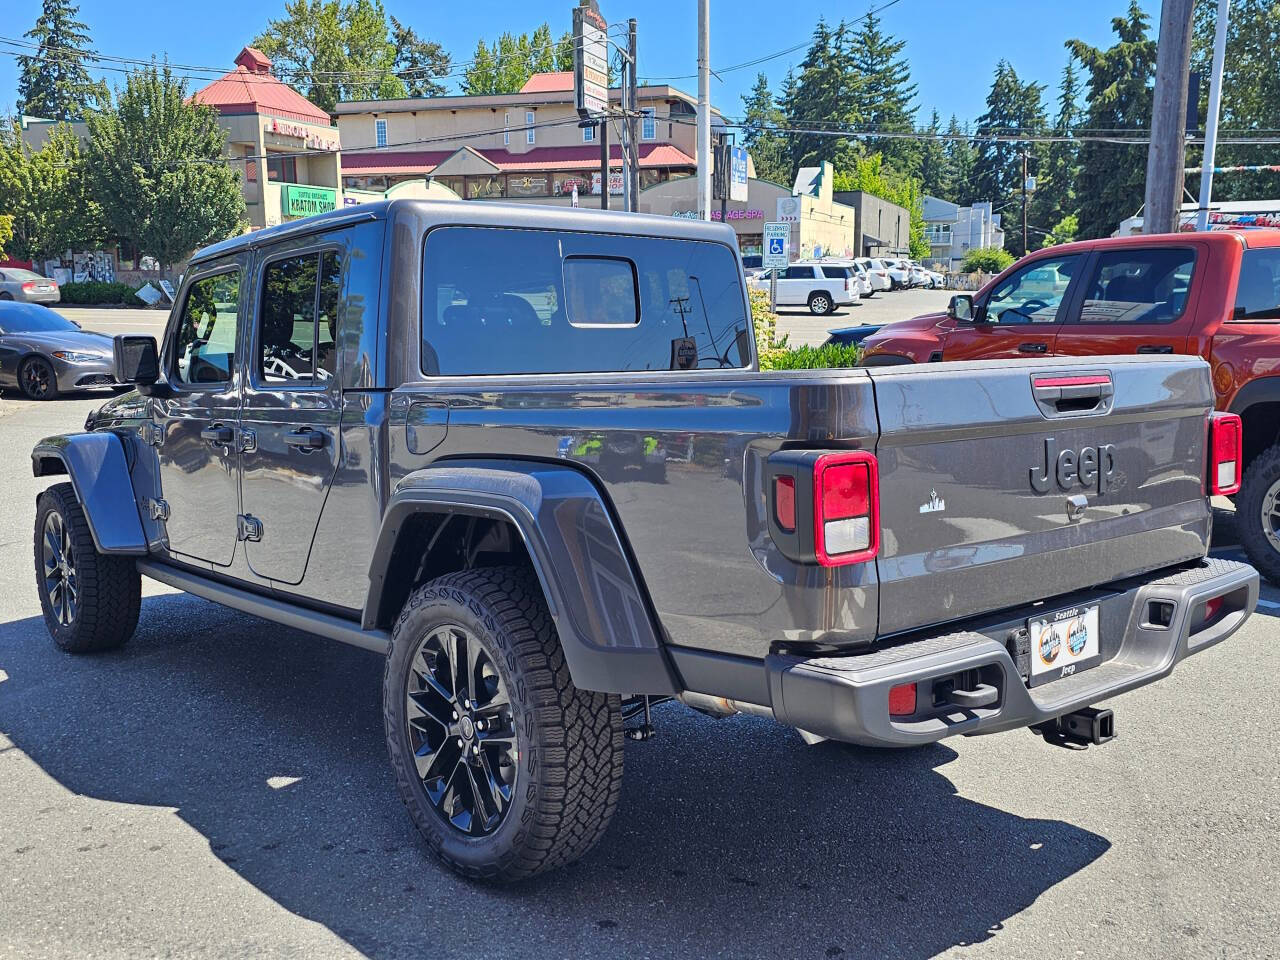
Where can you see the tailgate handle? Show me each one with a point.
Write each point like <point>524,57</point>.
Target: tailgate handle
<point>1073,394</point>
<point>1156,348</point>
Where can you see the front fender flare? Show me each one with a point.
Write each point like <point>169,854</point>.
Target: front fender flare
<point>99,472</point>
<point>603,615</point>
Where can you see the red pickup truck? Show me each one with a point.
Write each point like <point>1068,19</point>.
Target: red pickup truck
<point>1216,295</point>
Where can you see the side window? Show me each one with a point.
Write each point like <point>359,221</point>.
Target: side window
<point>1139,286</point>
<point>798,273</point>
<point>836,273</point>
<point>205,342</point>
<point>297,319</point>
<point>1258,293</point>
<point>1033,294</point>
<point>505,301</point>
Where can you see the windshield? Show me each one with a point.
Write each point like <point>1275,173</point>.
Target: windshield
<point>15,275</point>
<point>33,320</point>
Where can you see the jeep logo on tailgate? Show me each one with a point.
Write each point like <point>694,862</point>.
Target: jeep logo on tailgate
<point>1091,467</point>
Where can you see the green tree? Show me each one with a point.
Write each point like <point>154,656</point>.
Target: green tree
<point>506,65</point>
<point>986,260</point>
<point>418,63</point>
<point>1112,177</point>
<point>6,233</point>
<point>156,165</point>
<point>822,100</point>
<point>882,95</point>
<point>934,171</point>
<point>1014,110</point>
<point>331,50</point>
<point>45,192</point>
<point>870,175</point>
<point>957,184</point>
<point>54,82</point>
<point>760,123</point>
<point>1250,93</point>
<point>1055,197</point>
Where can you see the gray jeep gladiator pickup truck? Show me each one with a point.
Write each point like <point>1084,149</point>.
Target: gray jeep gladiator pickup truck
<point>527,455</point>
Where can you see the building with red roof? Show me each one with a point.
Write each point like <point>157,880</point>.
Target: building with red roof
<point>274,130</point>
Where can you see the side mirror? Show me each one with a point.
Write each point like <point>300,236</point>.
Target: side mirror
<point>136,359</point>
<point>960,308</point>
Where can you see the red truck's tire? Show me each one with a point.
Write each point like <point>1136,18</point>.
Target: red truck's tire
<point>1259,527</point>
<point>553,791</point>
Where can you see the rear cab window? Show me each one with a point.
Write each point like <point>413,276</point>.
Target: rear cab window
<point>502,301</point>
<point>1139,286</point>
<point>1258,290</point>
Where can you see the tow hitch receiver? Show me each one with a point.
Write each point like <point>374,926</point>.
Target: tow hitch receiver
<point>1079,729</point>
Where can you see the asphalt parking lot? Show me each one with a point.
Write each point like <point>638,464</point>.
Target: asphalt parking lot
<point>219,787</point>
<point>884,307</point>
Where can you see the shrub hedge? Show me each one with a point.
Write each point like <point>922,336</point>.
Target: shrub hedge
<point>811,358</point>
<point>97,292</point>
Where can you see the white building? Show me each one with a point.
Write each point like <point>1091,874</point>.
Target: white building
<point>1223,215</point>
<point>954,230</point>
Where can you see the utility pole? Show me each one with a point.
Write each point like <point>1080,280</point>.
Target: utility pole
<point>1024,201</point>
<point>1211,121</point>
<point>633,117</point>
<point>704,109</point>
<point>1166,155</point>
<point>604,163</point>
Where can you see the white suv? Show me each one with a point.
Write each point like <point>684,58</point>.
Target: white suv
<point>877,273</point>
<point>821,286</point>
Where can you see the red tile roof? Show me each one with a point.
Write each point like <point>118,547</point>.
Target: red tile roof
<point>585,157</point>
<point>549,82</point>
<point>253,90</point>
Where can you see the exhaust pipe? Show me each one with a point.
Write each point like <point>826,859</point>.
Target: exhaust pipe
<point>723,706</point>
<point>1079,729</point>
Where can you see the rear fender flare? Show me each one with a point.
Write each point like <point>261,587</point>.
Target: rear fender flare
<point>1261,390</point>
<point>601,612</point>
<point>99,471</point>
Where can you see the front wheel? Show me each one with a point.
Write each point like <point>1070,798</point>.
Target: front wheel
<point>90,600</point>
<point>1258,513</point>
<point>506,768</point>
<point>37,379</point>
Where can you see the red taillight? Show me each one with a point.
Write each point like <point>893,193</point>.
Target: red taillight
<point>784,503</point>
<point>29,285</point>
<point>846,498</point>
<point>1226,442</point>
<point>902,700</point>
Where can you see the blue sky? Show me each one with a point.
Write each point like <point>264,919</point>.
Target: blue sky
<point>952,46</point>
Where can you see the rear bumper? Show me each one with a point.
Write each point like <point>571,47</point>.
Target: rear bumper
<point>847,697</point>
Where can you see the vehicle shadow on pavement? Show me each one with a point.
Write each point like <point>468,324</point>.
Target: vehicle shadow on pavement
<point>732,838</point>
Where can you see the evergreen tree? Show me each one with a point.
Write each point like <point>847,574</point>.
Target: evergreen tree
<point>53,82</point>
<point>933,160</point>
<point>821,100</point>
<point>418,62</point>
<point>957,184</point>
<point>1014,109</point>
<point>1112,177</point>
<point>768,149</point>
<point>508,64</point>
<point>882,95</point>
<point>156,165</point>
<point>1055,197</point>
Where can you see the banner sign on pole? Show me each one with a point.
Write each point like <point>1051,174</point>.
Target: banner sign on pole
<point>738,174</point>
<point>590,61</point>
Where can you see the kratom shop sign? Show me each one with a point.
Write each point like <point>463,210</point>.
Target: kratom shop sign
<point>304,201</point>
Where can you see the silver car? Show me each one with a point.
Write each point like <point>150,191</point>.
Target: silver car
<point>42,353</point>
<point>27,287</point>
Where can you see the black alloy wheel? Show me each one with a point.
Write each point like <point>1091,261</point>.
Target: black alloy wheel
<point>37,379</point>
<point>460,730</point>
<point>57,553</point>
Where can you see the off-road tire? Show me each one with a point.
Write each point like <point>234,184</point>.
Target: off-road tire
<point>569,773</point>
<point>108,589</point>
<point>820,304</point>
<point>1263,472</point>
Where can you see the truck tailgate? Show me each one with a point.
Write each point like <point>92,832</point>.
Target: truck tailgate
<point>1000,486</point>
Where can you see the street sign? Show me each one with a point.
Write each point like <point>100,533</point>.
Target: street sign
<point>590,61</point>
<point>777,246</point>
<point>738,174</point>
<point>789,209</point>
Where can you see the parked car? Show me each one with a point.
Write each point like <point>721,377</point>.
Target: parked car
<point>822,288</point>
<point>42,353</point>
<point>25,286</point>
<point>856,271</point>
<point>1216,295</point>
<point>752,264</point>
<point>899,274</point>
<point>426,484</point>
<point>877,272</point>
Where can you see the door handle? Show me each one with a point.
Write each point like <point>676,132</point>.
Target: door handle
<point>217,434</point>
<point>1156,348</point>
<point>1033,348</point>
<point>305,439</point>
